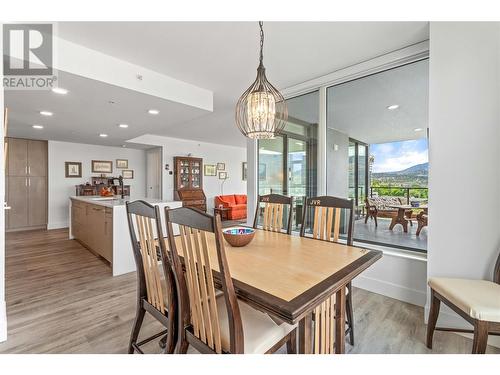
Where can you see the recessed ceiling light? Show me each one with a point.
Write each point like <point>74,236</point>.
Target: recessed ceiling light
<point>124,145</point>
<point>393,107</point>
<point>123,126</point>
<point>59,90</point>
<point>153,111</point>
<point>418,129</point>
<point>37,126</point>
<point>46,113</point>
<point>103,135</point>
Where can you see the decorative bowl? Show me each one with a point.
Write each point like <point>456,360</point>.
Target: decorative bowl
<point>238,236</point>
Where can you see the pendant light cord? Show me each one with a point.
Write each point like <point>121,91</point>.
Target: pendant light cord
<point>261,44</point>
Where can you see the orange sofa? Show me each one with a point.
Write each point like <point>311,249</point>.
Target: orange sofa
<point>237,204</point>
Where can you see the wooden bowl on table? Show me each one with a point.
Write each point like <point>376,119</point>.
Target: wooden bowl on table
<point>238,236</point>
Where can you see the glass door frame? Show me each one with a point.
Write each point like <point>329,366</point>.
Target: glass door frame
<point>285,136</point>
<point>356,169</point>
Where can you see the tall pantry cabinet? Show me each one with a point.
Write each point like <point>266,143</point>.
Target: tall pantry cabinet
<point>26,184</point>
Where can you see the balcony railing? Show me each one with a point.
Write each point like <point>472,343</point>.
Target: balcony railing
<point>420,193</point>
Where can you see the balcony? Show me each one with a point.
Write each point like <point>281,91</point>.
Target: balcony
<point>381,234</point>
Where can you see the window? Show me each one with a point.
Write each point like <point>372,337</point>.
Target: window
<point>377,151</point>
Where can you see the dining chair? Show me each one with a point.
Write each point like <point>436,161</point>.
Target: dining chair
<point>326,225</point>
<point>274,212</point>
<point>156,292</point>
<point>207,322</point>
<point>477,301</point>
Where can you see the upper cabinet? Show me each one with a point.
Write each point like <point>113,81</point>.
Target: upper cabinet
<point>17,157</point>
<point>26,157</point>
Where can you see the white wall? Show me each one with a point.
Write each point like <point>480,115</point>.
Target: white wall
<point>211,153</point>
<point>464,150</point>
<point>61,188</point>
<point>3,314</point>
<point>337,163</point>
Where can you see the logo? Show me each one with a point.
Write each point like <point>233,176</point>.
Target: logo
<point>28,56</point>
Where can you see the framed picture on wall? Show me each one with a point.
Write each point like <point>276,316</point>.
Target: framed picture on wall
<point>221,166</point>
<point>122,163</point>
<point>73,169</point>
<point>102,166</point>
<point>210,170</point>
<point>222,175</point>
<point>128,174</point>
<point>244,171</point>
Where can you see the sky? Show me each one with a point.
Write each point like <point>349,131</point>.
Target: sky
<point>396,156</point>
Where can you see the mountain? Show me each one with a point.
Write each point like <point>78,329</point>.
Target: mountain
<point>414,170</point>
<point>414,176</point>
<point>419,169</point>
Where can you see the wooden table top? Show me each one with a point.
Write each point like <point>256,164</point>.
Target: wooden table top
<point>282,273</point>
<point>407,206</point>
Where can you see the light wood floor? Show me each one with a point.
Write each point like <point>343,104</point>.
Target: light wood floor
<point>62,299</point>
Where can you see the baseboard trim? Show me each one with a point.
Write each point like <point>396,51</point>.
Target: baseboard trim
<point>3,321</point>
<point>59,225</point>
<point>399,292</point>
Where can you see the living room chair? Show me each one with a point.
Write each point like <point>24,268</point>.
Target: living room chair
<point>274,213</point>
<point>326,226</point>
<point>477,301</point>
<point>210,323</point>
<point>156,293</point>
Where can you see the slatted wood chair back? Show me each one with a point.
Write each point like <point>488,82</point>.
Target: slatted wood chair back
<point>155,276</point>
<point>275,216</point>
<point>198,302</point>
<point>324,327</point>
<point>326,218</point>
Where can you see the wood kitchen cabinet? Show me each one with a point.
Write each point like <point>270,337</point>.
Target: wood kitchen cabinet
<point>26,182</point>
<point>92,225</point>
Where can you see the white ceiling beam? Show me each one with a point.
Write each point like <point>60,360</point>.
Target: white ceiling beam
<point>85,62</point>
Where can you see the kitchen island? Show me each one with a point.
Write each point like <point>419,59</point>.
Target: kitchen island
<point>100,224</point>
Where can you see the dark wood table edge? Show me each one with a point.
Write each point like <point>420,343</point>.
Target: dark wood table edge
<point>294,310</point>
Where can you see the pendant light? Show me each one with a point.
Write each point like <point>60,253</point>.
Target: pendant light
<point>261,111</point>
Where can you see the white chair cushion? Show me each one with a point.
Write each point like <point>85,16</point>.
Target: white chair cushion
<point>480,299</point>
<point>260,332</point>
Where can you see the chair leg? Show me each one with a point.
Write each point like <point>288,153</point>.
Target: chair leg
<point>433,316</point>
<point>139,318</point>
<point>291,344</point>
<point>419,228</point>
<point>366,217</point>
<point>375,218</point>
<point>480,340</point>
<point>350,314</point>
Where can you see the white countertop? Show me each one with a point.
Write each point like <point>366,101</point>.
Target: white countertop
<point>113,202</point>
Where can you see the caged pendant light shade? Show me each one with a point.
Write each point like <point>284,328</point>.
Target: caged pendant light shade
<point>261,111</point>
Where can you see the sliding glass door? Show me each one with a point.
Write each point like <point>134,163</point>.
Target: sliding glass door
<point>287,163</point>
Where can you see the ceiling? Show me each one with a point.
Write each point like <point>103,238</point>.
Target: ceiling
<point>359,108</point>
<point>218,56</point>
<point>89,109</point>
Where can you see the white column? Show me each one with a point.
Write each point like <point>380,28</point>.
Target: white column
<point>252,178</point>
<point>464,150</point>
<point>321,172</point>
<point>3,314</point>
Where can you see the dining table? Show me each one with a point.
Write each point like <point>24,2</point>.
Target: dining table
<point>288,277</point>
